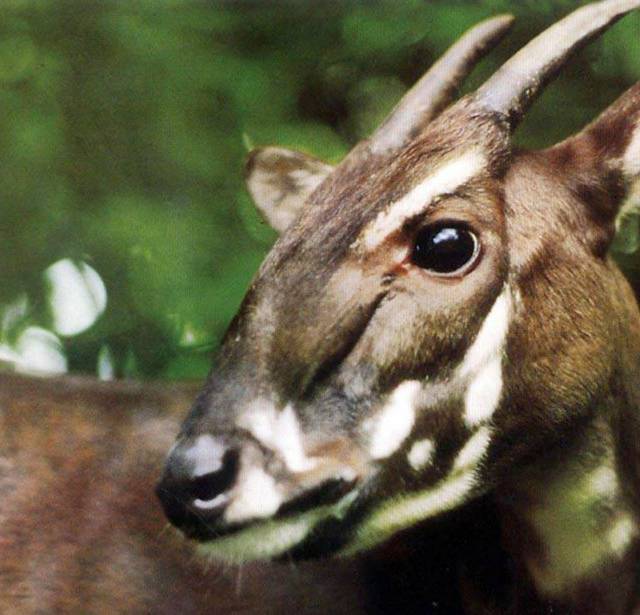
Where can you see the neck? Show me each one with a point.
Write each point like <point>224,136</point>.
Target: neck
<point>570,527</point>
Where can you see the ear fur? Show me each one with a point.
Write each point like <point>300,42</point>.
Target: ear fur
<point>606,154</point>
<point>280,182</point>
<point>616,133</point>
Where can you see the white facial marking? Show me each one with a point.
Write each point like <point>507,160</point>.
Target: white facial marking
<point>421,454</point>
<point>631,160</point>
<point>271,538</point>
<point>205,455</point>
<point>483,395</point>
<point>407,510</point>
<point>219,500</point>
<point>256,496</point>
<point>491,337</point>
<point>291,445</point>
<point>263,541</point>
<point>391,426</point>
<point>482,364</point>
<point>473,451</point>
<point>397,513</point>
<point>446,178</point>
<point>278,431</point>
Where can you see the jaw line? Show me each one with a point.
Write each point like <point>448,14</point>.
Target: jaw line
<point>272,538</point>
<point>402,512</point>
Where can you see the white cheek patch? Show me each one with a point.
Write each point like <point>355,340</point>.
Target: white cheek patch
<point>482,365</point>
<point>483,395</point>
<point>279,431</point>
<point>420,454</point>
<point>393,424</point>
<point>473,451</point>
<point>256,497</point>
<point>403,511</point>
<point>447,178</point>
<point>205,455</point>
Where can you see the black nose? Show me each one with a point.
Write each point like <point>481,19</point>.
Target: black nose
<point>195,504</point>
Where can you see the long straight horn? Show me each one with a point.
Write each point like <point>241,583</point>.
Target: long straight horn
<point>437,87</point>
<point>514,87</point>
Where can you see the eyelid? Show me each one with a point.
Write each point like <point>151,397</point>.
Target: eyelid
<point>445,222</point>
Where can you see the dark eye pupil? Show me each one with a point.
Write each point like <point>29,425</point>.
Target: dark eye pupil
<point>444,249</point>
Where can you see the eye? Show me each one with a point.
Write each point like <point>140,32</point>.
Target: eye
<point>445,249</point>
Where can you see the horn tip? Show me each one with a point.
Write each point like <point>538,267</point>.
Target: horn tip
<point>492,30</point>
<point>505,20</point>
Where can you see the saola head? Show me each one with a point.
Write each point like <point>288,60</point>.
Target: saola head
<point>432,316</point>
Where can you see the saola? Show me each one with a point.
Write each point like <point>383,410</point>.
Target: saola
<point>439,322</point>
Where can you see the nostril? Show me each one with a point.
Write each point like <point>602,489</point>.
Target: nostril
<point>208,486</point>
<point>194,503</point>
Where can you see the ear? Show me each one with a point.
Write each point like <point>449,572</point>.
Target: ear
<point>281,180</point>
<point>605,156</point>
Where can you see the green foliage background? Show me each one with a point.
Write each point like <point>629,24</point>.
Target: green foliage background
<point>124,125</point>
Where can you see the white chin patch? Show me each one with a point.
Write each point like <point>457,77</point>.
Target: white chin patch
<point>269,539</point>
<point>263,541</point>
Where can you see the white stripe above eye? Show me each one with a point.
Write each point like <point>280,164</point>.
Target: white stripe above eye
<point>446,178</point>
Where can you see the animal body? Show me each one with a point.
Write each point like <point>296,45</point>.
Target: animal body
<point>439,337</point>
